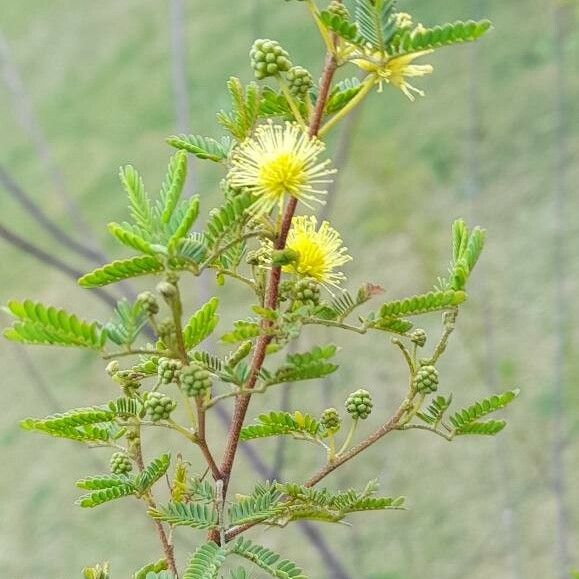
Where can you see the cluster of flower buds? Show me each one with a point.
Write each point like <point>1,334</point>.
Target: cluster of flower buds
<point>159,406</point>
<point>359,404</point>
<point>195,381</point>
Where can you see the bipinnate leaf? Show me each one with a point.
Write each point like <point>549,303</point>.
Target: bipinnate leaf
<point>201,324</point>
<point>40,324</point>
<point>206,562</point>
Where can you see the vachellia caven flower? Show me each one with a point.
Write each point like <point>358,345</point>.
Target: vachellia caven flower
<point>278,161</point>
<point>319,251</point>
<point>395,70</point>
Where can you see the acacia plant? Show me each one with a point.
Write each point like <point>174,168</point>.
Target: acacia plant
<point>265,239</point>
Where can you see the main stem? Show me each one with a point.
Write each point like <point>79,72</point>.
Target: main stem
<point>242,402</point>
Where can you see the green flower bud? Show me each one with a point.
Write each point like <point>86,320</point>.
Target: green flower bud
<point>281,257</point>
<point>418,336</point>
<point>300,81</point>
<point>331,420</point>
<point>307,292</point>
<point>149,303</point>
<point>112,368</point>
<point>168,368</point>
<point>337,8</point>
<point>167,331</point>
<point>167,290</point>
<point>121,463</point>
<point>268,58</point>
<point>195,381</point>
<point>239,354</point>
<point>426,379</point>
<point>159,406</point>
<point>359,404</point>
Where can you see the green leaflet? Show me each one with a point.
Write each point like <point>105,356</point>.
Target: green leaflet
<point>375,23</point>
<point>191,515</point>
<point>40,324</point>
<point>172,187</point>
<point>245,102</point>
<point>467,247</point>
<point>252,510</point>
<point>140,205</point>
<point>208,361</point>
<point>281,423</point>
<point>202,147</point>
<point>261,505</point>
<point>436,409</point>
<point>160,575</point>
<point>157,570</point>
<point>88,425</point>
<point>152,473</point>
<point>306,366</point>
<point>97,572</point>
<point>121,269</point>
<point>342,93</point>
<point>201,324</point>
<point>227,218</point>
<point>266,560</point>
<point>488,428</point>
<point>274,104</point>
<point>206,562</point>
<point>242,330</point>
<point>482,408</point>
<point>457,32</point>
<point>104,489</point>
<point>130,239</point>
<point>129,320</point>
<point>187,221</point>
<point>421,304</point>
<point>343,28</point>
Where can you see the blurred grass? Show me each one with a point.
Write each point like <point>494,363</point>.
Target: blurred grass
<point>98,77</point>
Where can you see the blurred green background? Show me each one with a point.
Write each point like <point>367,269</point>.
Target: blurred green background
<point>88,86</point>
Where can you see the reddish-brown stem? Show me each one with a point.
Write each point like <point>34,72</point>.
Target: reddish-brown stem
<point>387,427</point>
<point>202,442</point>
<point>242,402</point>
<point>165,544</point>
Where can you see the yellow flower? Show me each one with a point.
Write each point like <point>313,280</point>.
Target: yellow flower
<point>395,70</point>
<point>319,251</point>
<point>277,161</point>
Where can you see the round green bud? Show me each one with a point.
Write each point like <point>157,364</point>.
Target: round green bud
<point>281,257</point>
<point>159,406</point>
<point>195,381</point>
<point>168,368</point>
<point>167,290</point>
<point>149,303</point>
<point>331,420</point>
<point>300,81</point>
<point>359,404</point>
<point>112,368</point>
<point>418,336</point>
<point>307,292</point>
<point>338,8</point>
<point>426,379</point>
<point>121,463</point>
<point>167,331</point>
<point>268,58</point>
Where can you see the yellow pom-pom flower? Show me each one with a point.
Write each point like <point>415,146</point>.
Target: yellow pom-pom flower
<point>279,161</point>
<point>320,251</point>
